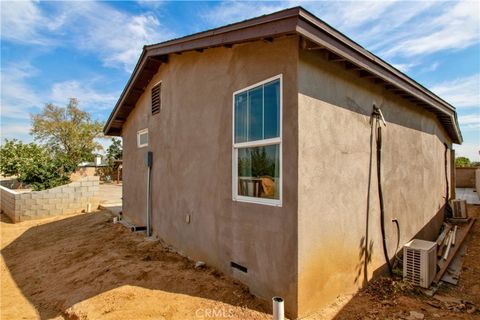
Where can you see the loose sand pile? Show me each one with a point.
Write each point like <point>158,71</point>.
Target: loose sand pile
<point>85,267</point>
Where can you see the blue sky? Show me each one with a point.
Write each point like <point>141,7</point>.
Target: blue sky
<point>51,51</point>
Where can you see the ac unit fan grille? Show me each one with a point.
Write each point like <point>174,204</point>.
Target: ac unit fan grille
<point>413,272</point>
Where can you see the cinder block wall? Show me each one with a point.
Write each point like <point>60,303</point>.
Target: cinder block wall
<point>465,177</point>
<point>477,181</point>
<point>7,202</point>
<point>70,198</point>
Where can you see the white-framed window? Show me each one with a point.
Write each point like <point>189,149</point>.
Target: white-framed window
<point>257,143</point>
<point>142,138</point>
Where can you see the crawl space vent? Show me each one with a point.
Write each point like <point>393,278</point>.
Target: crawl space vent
<point>238,267</point>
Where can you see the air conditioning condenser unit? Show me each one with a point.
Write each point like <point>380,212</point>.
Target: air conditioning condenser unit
<point>459,208</point>
<point>420,262</point>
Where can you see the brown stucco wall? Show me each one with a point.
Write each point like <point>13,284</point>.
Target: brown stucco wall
<point>191,140</point>
<point>333,180</point>
<point>465,177</point>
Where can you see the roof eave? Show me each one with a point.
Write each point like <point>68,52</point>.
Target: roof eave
<point>295,20</point>
<point>134,74</point>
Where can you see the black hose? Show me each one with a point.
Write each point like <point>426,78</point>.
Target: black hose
<point>398,237</point>
<point>380,197</point>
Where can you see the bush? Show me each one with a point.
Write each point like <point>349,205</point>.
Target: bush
<point>34,165</point>
<point>462,162</point>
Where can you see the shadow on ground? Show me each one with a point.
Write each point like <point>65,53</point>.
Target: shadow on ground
<point>386,299</point>
<point>59,264</point>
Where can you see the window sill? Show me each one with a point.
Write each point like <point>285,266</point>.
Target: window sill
<point>263,201</point>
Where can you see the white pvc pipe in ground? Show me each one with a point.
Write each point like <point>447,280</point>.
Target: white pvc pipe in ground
<point>278,310</point>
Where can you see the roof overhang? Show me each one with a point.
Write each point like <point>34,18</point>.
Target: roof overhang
<point>316,34</point>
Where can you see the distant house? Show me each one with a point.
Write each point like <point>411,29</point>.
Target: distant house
<point>88,169</point>
<point>263,135</point>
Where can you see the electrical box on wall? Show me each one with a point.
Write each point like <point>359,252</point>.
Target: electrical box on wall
<point>148,158</point>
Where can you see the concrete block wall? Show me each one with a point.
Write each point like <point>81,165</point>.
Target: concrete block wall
<point>71,198</point>
<point>477,182</point>
<point>7,201</point>
<point>465,177</point>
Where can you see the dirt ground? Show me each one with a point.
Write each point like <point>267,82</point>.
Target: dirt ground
<point>386,299</point>
<point>86,267</point>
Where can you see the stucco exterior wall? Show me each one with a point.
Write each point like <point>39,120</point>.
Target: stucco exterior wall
<point>191,141</point>
<point>334,111</point>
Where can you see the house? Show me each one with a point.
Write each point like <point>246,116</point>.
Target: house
<point>263,139</point>
<point>88,168</point>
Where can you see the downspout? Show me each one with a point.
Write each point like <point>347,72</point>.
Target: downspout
<point>148,163</point>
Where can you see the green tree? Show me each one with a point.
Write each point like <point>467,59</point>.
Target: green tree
<point>462,162</point>
<point>255,162</point>
<point>33,165</point>
<point>68,131</point>
<point>14,155</point>
<point>114,152</point>
<point>262,165</point>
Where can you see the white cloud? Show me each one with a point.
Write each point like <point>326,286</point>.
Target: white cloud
<point>117,37</point>
<point>233,11</point>
<point>458,27</point>
<point>349,16</point>
<point>346,15</point>
<point>20,131</point>
<point>470,122</point>
<point>17,96</point>
<point>20,21</point>
<point>405,67</point>
<point>85,92</point>
<point>462,92</point>
<point>469,150</point>
<point>430,68</point>
<point>383,26</point>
